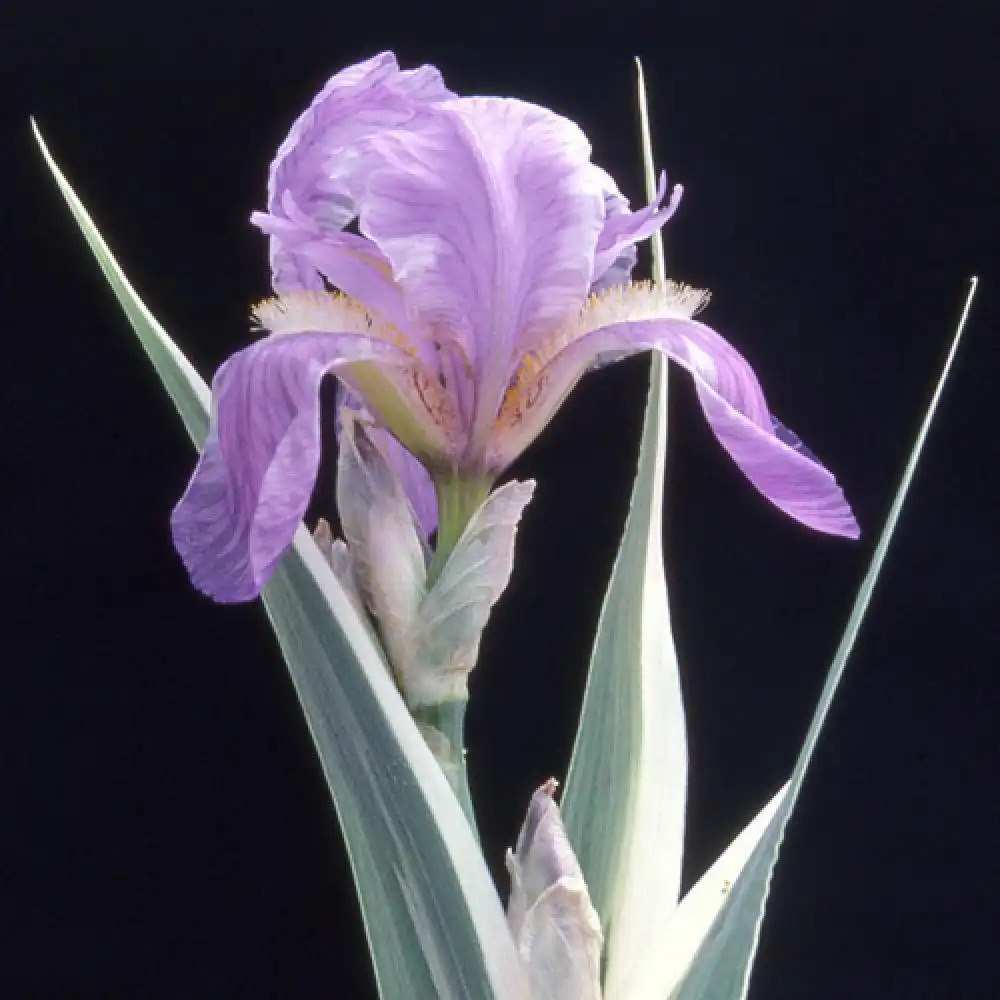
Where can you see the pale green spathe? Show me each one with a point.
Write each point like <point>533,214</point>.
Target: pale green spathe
<point>435,926</point>
<point>452,617</point>
<point>431,629</point>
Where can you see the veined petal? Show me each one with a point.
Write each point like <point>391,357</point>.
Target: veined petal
<point>616,255</point>
<point>406,399</point>
<point>368,94</point>
<point>352,264</point>
<point>357,101</point>
<point>489,212</point>
<point>256,472</point>
<point>545,377</point>
<point>645,317</point>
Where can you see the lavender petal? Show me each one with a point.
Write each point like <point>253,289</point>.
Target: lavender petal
<point>489,212</point>
<point>732,401</point>
<point>615,255</point>
<point>252,483</point>
<point>357,101</point>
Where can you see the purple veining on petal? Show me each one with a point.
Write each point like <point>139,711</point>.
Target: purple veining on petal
<point>786,434</point>
<point>252,483</point>
<point>734,406</point>
<point>350,263</point>
<point>483,227</point>
<point>615,253</point>
<point>489,211</point>
<point>363,98</point>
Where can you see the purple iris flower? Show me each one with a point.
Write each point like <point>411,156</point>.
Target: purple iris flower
<point>484,279</point>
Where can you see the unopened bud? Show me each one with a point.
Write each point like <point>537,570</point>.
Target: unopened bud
<point>555,927</point>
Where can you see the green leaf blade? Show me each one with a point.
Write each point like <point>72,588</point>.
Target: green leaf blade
<point>428,904</point>
<point>435,926</point>
<point>625,797</point>
<point>721,969</point>
<point>699,910</point>
<point>184,385</point>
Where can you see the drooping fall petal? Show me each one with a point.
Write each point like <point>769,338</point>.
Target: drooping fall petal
<point>642,318</point>
<point>482,229</point>
<point>252,483</point>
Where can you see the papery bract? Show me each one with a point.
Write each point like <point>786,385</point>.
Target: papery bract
<point>555,927</point>
<point>430,628</point>
<point>469,305</point>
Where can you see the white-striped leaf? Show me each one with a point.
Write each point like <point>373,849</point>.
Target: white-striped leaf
<point>626,788</point>
<point>721,968</point>
<point>434,923</point>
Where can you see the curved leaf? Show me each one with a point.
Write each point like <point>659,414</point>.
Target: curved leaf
<point>434,923</point>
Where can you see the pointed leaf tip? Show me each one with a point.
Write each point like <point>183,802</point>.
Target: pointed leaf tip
<point>624,803</point>
<point>434,923</point>
<point>724,961</point>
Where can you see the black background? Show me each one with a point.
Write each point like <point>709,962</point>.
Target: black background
<point>166,831</point>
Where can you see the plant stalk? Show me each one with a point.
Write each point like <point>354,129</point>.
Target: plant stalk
<point>443,727</point>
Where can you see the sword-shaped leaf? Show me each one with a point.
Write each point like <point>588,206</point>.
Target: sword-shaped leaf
<point>434,923</point>
<point>721,968</point>
<point>625,795</point>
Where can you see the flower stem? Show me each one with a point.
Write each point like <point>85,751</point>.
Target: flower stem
<point>458,498</point>
<point>442,726</point>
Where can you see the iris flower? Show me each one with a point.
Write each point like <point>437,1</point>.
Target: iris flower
<point>458,264</point>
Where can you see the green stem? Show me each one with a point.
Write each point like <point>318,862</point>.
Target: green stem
<point>442,726</point>
<point>458,498</point>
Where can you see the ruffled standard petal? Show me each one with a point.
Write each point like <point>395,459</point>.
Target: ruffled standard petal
<point>252,483</point>
<point>658,318</point>
<point>489,212</point>
<point>357,101</point>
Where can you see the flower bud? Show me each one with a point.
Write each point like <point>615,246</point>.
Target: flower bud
<point>555,927</point>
